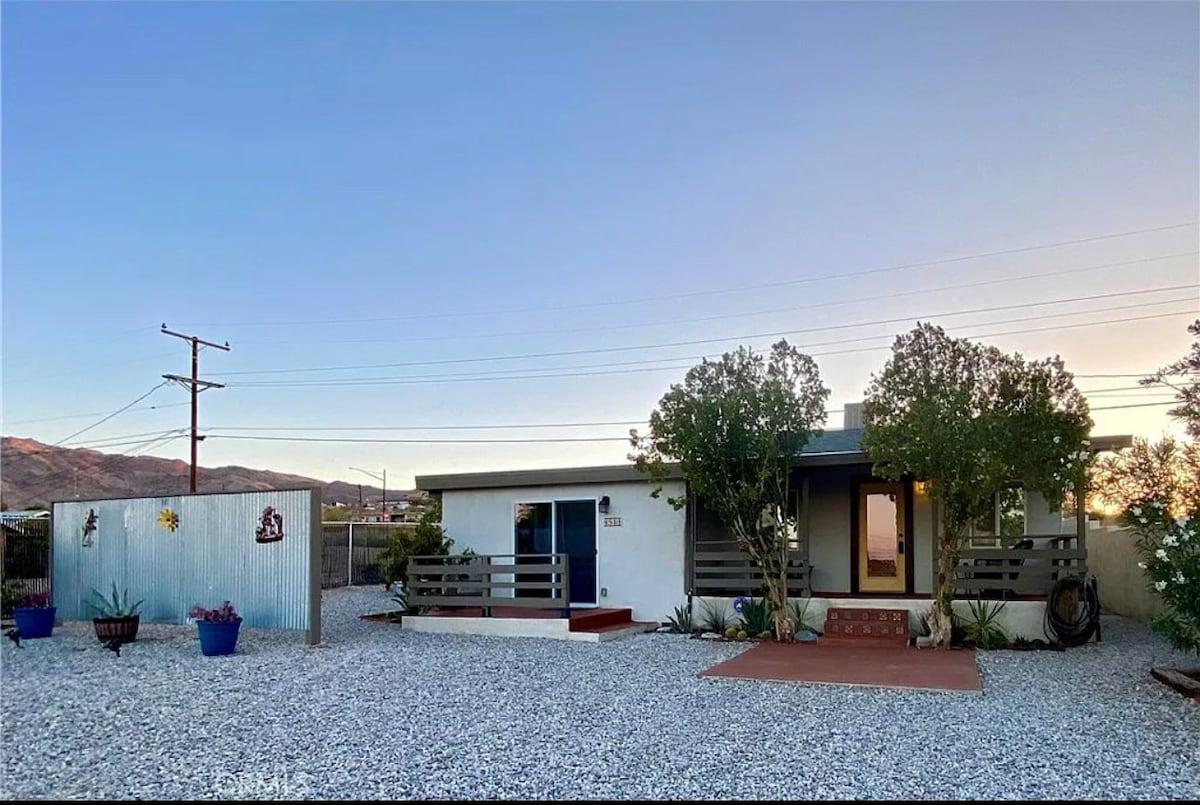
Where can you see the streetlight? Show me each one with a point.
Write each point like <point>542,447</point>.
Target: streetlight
<point>350,537</point>
<point>383,480</point>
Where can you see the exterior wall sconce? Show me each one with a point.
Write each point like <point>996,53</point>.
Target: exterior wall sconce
<point>920,488</point>
<point>603,505</point>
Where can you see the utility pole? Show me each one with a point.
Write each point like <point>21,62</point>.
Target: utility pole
<point>196,385</point>
<point>383,480</point>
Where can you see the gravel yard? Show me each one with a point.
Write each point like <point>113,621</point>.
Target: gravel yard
<point>383,714</point>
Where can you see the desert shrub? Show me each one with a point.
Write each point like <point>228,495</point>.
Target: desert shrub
<point>757,615</point>
<point>714,616</point>
<point>1170,551</point>
<point>681,621</point>
<point>983,629</point>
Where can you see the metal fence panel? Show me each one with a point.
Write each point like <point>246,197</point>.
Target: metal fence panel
<point>211,556</point>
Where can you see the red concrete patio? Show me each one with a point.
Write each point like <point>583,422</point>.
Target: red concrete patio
<point>848,664</point>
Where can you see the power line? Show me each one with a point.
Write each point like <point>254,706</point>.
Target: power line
<point>744,314</point>
<point>93,413</point>
<point>713,291</point>
<point>534,440</point>
<point>556,372</point>
<point>697,341</point>
<point>113,414</point>
<point>535,425</point>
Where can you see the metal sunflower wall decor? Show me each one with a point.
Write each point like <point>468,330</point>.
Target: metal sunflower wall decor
<point>168,519</point>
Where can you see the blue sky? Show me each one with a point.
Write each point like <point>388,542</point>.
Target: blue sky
<point>329,185</point>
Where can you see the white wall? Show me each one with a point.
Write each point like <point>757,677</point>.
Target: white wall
<point>641,563</point>
<point>1017,619</point>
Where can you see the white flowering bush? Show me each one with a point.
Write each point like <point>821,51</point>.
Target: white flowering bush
<point>1171,558</point>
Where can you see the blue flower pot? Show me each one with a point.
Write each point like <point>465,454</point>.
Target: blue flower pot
<point>217,639</point>
<point>34,622</point>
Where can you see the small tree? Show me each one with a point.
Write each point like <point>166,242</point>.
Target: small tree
<point>970,420</point>
<point>736,426</point>
<point>1167,471</point>
<point>428,538</point>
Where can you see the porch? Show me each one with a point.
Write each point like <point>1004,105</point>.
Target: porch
<point>862,537</point>
<point>511,595</point>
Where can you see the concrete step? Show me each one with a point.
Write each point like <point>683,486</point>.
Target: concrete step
<point>863,625</point>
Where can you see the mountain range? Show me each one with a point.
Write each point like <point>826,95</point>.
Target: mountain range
<point>33,474</point>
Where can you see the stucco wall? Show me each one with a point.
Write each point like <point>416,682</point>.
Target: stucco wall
<point>829,527</point>
<point>639,564</point>
<point>1124,589</point>
<point>829,496</point>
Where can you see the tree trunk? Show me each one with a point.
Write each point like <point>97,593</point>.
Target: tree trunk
<point>774,569</point>
<point>941,619</point>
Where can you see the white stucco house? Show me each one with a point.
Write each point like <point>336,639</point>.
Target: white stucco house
<point>861,541</point>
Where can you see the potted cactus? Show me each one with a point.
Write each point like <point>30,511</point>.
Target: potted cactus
<point>34,616</point>
<point>218,629</point>
<point>117,620</point>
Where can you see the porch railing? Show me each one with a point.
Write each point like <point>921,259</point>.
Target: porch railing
<point>536,581</point>
<point>724,570</point>
<point>1028,565</point>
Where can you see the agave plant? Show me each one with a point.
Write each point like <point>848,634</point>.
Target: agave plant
<point>984,628</point>
<point>681,621</point>
<point>757,616</point>
<point>116,607</point>
<point>799,616</point>
<point>714,617</point>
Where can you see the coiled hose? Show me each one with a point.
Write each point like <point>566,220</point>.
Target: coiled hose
<point>1073,610</point>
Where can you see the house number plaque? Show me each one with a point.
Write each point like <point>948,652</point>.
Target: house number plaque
<point>612,522</point>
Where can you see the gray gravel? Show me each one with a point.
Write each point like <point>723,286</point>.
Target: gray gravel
<point>379,713</point>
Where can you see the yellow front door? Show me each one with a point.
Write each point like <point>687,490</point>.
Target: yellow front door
<point>881,559</point>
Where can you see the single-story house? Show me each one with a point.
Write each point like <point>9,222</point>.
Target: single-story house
<point>861,541</point>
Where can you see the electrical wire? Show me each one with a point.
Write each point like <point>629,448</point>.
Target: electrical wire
<point>697,341</point>
<point>715,291</point>
<point>858,300</point>
<point>557,372</point>
<point>120,410</point>
<point>534,440</point>
<point>93,413</point>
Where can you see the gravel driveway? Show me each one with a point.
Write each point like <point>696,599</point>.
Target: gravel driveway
<point>383,714</point>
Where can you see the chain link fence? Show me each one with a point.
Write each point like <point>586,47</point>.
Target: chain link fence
<point>351,550</point>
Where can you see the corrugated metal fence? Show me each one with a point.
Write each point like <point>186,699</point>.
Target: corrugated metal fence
<point>176,552</point>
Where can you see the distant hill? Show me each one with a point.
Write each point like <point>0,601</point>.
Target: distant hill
<point>32,474</point>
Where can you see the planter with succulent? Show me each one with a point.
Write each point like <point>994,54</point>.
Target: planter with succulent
<point>218,629</point>
<point>34,616</point>
<point>116,619</point>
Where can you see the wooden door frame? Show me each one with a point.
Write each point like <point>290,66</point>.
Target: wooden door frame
<point>907,490</point>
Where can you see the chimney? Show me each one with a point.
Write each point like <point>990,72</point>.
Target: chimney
<point>852,416</point>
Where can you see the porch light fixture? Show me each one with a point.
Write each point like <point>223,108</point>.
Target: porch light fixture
<point>920,488</point>
<point>602,505</point>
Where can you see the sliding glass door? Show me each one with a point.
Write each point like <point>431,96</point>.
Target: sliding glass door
<point>560,526</point>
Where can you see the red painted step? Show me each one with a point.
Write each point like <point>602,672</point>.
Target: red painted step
<point>588,620</point>
<point>866,626</point>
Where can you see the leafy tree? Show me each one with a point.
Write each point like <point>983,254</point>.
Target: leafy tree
<point>736,426</point>
<point>970,419</point>
<point>1184,377</point>
<point>1167,471</point>
<point>428,538</point>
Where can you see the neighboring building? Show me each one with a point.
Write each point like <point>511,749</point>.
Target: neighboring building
<point>861,541</point>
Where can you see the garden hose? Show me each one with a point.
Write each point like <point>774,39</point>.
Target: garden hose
<point>1073,610</point>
